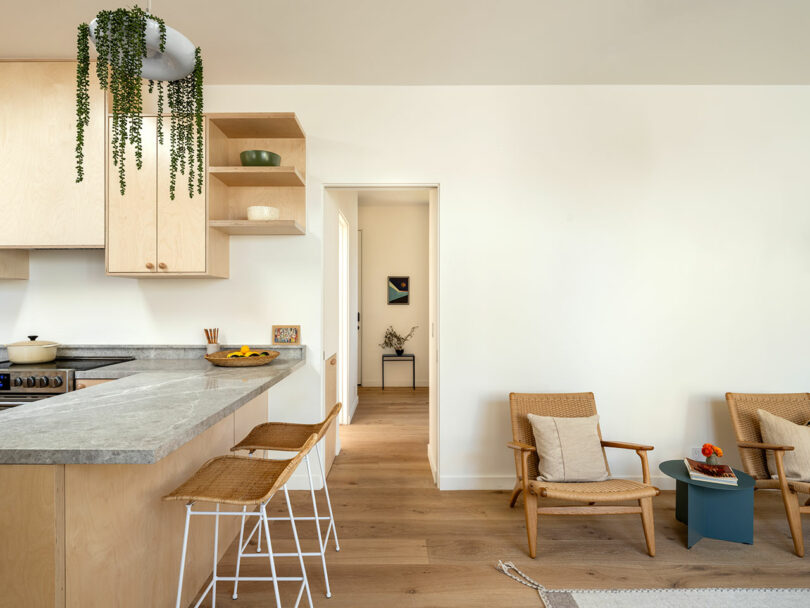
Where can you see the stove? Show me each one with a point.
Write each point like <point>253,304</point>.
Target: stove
<point>28,382</point>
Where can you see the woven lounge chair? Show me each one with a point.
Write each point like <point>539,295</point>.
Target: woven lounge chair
<point>573,405</point>
<point>792,406</point>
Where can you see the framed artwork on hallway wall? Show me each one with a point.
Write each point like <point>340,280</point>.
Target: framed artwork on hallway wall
<point>399,290</point>
<point>286,334</point>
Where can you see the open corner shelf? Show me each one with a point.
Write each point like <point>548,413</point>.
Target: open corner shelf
<point>258,176</point>
<point>248,227</point>
<point>233,188</point>
<point>268,125</point>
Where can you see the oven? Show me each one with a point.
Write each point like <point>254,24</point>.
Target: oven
<point>25,384</point>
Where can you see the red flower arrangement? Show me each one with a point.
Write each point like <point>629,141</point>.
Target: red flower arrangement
<point>709,449</point>
<point>711,452</point>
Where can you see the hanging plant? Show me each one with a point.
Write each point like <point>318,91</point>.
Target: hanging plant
<point>120,39</point>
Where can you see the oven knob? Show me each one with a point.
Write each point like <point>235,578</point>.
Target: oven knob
<point>30,381</point>
<point>57,381</point>
<point>18,381</point>
<point>43,381</point>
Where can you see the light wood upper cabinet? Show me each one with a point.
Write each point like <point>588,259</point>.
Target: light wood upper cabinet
<point>132,217</point>
<point>149,235</point>
<point>42,205</point>
<point>181,222</point>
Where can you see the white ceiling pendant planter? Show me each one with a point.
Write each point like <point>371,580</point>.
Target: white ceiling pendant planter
<point>174,63</point>
<point>132,45</point>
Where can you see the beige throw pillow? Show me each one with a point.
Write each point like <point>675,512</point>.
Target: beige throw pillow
<point>780,431</point>
<point>569,449</point>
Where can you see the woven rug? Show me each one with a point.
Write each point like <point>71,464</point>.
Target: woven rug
<point>661,598</point>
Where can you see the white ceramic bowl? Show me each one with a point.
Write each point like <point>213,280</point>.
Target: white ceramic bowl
<point>262,213</point>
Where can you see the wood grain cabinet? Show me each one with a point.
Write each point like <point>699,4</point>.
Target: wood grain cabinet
<point>149,235</point>
<point>42,206</point>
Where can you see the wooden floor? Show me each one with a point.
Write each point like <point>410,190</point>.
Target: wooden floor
<point>405,544</point>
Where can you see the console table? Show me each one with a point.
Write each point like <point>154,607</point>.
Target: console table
<point>405,357</point>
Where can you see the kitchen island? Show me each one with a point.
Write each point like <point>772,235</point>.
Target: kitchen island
<point>82,476</point>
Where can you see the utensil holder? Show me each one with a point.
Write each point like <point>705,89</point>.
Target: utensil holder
<point>210,349</point>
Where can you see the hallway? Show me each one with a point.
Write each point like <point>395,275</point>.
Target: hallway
<point>404,544</point>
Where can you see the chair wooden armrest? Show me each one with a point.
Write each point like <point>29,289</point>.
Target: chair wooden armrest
<point>764,446</point>
<point>627,446</point>
<point>525,450</point>
<point>641,450</point>
<point>518,445</point>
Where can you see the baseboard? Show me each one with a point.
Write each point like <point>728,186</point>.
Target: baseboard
<point>476,482</point>
<point>353,407</point>
<point>507,482</point>
<point>432,462</point>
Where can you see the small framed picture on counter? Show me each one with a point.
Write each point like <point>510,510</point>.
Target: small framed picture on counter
<point>286,334</point>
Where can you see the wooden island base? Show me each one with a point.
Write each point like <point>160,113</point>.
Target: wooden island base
<point>99,535</point>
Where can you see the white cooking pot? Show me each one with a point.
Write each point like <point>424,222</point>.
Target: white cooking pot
<point>33,351</point>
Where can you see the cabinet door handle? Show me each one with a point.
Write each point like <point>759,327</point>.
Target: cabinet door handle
<point>162,266</point>
<point>150,265</point>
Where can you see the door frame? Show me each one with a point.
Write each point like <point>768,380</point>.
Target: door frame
<point>344,313</point>
<point>434,434</point>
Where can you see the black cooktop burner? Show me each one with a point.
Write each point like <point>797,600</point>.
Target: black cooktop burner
<point>77,363</point>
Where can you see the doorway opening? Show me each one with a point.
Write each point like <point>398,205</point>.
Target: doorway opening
<point>381,255</point>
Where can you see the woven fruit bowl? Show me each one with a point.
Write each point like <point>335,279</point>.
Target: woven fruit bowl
<point>221,359</point>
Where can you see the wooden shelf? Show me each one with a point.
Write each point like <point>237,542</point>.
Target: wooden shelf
<point>276,125</point>
<point>257,228</point>
<point>257,176</point>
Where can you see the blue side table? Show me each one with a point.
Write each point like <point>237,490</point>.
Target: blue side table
<point>713,510</point>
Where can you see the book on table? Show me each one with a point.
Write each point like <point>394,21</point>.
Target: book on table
<point>711,473</point>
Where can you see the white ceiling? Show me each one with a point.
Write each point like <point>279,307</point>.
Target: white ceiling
<point>458,41</point>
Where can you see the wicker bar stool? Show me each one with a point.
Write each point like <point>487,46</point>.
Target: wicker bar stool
<point>243,481</point>
<point>290,437</point>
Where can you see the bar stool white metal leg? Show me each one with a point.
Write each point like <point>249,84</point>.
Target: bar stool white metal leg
<point>328,501</point>
<point>265,528</point>
<point>276,436</point>
<point>323,539</point>
<point>236,480</point>
<point>318,527</point>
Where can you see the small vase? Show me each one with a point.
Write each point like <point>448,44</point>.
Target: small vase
<point>713,459</point>
<point>399,351</point>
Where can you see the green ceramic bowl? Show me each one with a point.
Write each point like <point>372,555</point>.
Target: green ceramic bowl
<point>259,158</point>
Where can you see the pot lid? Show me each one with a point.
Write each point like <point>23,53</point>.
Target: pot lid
<point>32,341</point>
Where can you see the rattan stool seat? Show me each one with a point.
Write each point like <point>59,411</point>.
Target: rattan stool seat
<point>236,480</point>
<point>279,436</point>
<point>284,436</point>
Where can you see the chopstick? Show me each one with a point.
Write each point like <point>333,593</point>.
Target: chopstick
<point>212,335</point>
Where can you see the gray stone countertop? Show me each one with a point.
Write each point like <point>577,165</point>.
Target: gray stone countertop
<point>160,405</point>
<point>140,366</point>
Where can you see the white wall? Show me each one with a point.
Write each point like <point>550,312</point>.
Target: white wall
<point>647,243</point>
<point>343,201</point>
<point>395,243</point>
